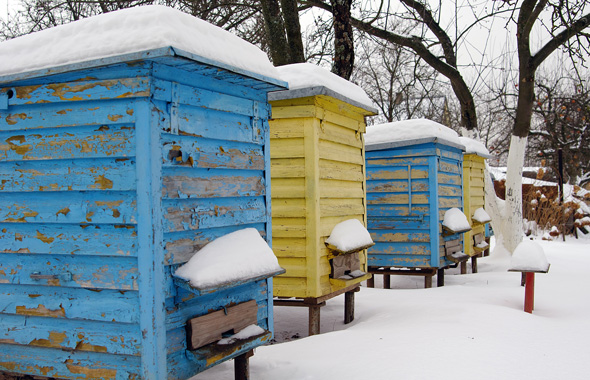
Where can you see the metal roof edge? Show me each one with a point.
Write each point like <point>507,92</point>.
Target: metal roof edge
<point>317,90</point>
<point>423,140</point>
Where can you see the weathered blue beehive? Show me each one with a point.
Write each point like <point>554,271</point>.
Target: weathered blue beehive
<point>113,172</point>
<point>414,175</point>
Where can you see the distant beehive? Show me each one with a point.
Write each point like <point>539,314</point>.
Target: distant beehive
<point>473,199</point>
<point>318,181</point>
<point>410,185</point>
<point>114,172</point>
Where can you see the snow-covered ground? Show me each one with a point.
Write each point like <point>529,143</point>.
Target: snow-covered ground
<point>472,328</point>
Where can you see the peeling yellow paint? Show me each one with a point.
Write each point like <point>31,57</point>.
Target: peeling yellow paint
<point>130,112</point>
<point>63,112</point>
<point>55,340</point>
<point>13,118</point>
<point>91,373</point>
<point>83,346</point>
<point>25,92</point>
<point>64,211</point>
<point>44,238</point>
<point>103,183</point>
<point>89,216</point>
<point>41,311</point>
<point>114,118</point>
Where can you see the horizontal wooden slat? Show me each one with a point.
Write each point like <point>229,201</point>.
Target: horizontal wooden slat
<point>396,198</point>
<point>288,227</point>
<point>71,303</point>
<point>341,170</point>
<point>67,143</point>
<point>288,208</point>
<point>395,161</point>
<point>287,168</point>
<point>451,179</point>
<point>210,154</point>
<point>43,361</point>
<point>289,247</point>
<point>68,175</point>
<point>396,185</point>
<point>392,224</point>
<point>287,188</point>
<point>396,172</point>
<point>202,183</point>
<point>341,207</point>
<point>79,335</point>
<point>104,207</point>
<point>287,148</point>
<point>400,248</point>
<point>340,135</point>
<point>411,261</point>
<point>342,153</point>
<point>286,128</point>
<point>68,115</point>
<point>449,191</point>
<point>295,266</point>
<point>400,237</point>
<point>82,91</point>
<point>202,122</point>
<point>450,202</point>
<point>71,271</point>
<point>341,189</point>
<point>449,166</point>
<point>194,214</point>
<point>397,211</point>
<point>68,239</point>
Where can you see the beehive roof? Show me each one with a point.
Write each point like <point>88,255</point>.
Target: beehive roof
<point>119,36</point>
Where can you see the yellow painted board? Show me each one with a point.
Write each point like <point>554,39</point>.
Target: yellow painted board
<point>288,247</point>
<point>340,189</point>
<point>342,153</point>
<point>287,168</point>
<point>287,148</point>
<point>287,188</point>
<point>341,135</point>
<point>341,170</point>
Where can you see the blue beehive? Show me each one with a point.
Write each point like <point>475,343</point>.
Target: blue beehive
<point>411,182</point>
<point>114,171</point>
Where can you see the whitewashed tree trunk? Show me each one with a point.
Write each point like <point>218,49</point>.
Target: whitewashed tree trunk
<point>507,215</point>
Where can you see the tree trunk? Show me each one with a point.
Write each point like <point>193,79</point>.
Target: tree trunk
<point>343,40</point>
<point>275,29</point>
<point>293,28</point>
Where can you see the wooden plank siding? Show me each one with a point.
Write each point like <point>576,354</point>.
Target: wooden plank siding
<point>473,185</point>
<point>408,190</point>
<point>110,179</point>
<point>318,180</point>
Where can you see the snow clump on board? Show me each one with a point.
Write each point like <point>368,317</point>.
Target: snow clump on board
<point>529,257</point>
<point>481,216</point>
<point>237,256</point>
<point>349,236</point>
<point>455,220</point>
<point>474,146</point>
<point>128,31</point>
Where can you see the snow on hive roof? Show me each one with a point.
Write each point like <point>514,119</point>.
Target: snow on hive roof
<point>475,147</point>
<point>237,256</point>
<point>307,79</point>
<point>129,31</point>
<point>410,132</point>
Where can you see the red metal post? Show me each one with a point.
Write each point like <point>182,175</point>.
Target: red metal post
<point>529,292</point>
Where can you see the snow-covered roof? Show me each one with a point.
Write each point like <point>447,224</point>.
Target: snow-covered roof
<point>125,33</point>
<point>349,236</point>
<point>410,132</point>
<point>529,256</point>
<point>475,147</point>
<point>307,79</point>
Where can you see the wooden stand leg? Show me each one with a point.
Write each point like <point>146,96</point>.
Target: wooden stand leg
<point>314,320</point>
<point>463,267</point>
<point>522,278</point>
<point>428,281</point>
<point>348,307</point>
<point>529,292</point>
<point>386,281</point>
<point>242,366</point>
<point>371,282</point>
<point>440,277</point>
<point>474,264</point>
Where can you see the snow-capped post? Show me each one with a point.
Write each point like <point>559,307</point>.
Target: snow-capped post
<point>318,180</point>
<point>414,177</point>
<point>529,258</point>
<point>134,139</point>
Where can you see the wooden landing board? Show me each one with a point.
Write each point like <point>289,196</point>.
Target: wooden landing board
<point>209,328</point>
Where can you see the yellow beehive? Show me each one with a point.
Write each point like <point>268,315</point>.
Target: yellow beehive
<point>473,198</point>
<point>318,181</point>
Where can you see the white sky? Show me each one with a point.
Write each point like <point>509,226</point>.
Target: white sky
<point>4,4</point>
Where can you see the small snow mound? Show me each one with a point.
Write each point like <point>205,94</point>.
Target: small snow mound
<point>407,130</point>
<point>474,146</point>
<point>481,216</point>
<point>245,333</point>
<point>306,75</point>
<point>349,236</point>
<point>455,220</point>
<point>237,256</point>
<point>128,31</point>
<point>529,257</point>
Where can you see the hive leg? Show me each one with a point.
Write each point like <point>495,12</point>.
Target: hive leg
<point>242,366</point>
<point>349,307</point>
<point>440,277</point>
<point>314,320</point>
